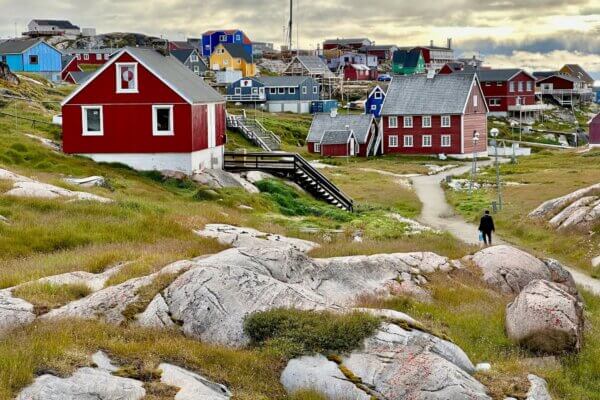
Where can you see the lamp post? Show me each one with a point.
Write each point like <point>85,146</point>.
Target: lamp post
<point>474,168</point>
<point>494,133</point>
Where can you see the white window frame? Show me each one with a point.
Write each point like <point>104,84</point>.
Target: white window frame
<point>194,58</point>
<point>238,37</point>
<point>222,38</point>
<point>499,83</point>
<point>447,118</point>
<point>237,91</point>
<point>84,122</point>
<point>378,95</point>
<point>86,57</point>
<point>423,144</point>
<point>408,122</point>
<point>135,74</point>
<point>446,140</point>
<point>315,90</point>
<point>495,102</point>
<point>511,86</point>
<point>304,90</point>
<point>426,118</point>
<point>272,90</point>
<point>292,90</point>
<point>281,90</point>
<point>373,107</point>
<point>317,147</point>
<point>529,86</point>
<point>475,100</point>
<point>196,70</point>
<point>520,86</point>
<point>408,141</point>
<point>392,122</point>
<point>98,57</point>
<point>155,131</point>
<point>106,56</point>
<point>78,57</point>
<point>393,141</point>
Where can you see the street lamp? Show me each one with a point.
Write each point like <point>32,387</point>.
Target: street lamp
<point>474,168</point>
<point>494,133</point>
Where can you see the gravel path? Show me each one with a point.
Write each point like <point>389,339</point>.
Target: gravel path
<point>437,213</point>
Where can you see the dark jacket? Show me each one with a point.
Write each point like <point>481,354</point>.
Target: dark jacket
<point>487,224</point>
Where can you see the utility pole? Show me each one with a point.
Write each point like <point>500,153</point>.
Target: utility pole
<point>290,25</point>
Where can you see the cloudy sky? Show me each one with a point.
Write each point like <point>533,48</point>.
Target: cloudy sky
<point>535,34</point>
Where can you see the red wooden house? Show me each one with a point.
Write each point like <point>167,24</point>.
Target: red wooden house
<point>339,144</point>
<point>595,131</point>
<point>75,60</point>
<point>435,114</point>
<point>359,72</point>
<point>148,111</point>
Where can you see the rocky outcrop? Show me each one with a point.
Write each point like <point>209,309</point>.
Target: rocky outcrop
<point>538,389</point>
<point>508,269</point>
<point>27,187</point>
<point>46,142</point>
<point>85,383</point>
<point>88,182</point>
<point>218,179</point>
<point>545,317</point>
<point>393,364</point>
<point>578,210</point>
<point>192,386</point>
<point>6,75</point>
<point>257,176</point>
<point>247,237</point>
<point>94,282</point>
<point>14,312</point>
<point>156,315</point>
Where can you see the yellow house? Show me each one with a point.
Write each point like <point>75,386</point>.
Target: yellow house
<point>232,56</point>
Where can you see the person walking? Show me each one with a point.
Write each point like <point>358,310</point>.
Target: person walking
<point>486,227</point>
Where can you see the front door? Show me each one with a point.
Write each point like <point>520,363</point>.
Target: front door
<point>352,146</point>
<point>261,92</point>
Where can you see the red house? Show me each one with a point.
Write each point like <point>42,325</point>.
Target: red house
<point>344,135</point>
<point>148,111</point>
<point>435,114</point>
<point>78,59</point>
<point>595,131</point>
<point>359,72</point>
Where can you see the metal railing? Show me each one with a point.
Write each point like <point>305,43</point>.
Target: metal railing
<point>254,131</point>
<point>246,97</point>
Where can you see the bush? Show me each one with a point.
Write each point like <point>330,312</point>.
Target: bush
<point>291,332</point>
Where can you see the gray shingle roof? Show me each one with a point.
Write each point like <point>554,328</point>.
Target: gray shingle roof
<point>287,81</point>
<point>184,80</point>
<point>65,59</point>
<point>90,51</point>
<point>336,137</point>
<point>544,74</point>
<point>578,72</point>
<point>419,95</point>
<point>359,124</point>
<point>17,46</point>
<point>62,24</point>
<point>346,41</point>
<point>493,75</point>
<point>81,77</point>
<point>237,51</point>
<point>314,64</point>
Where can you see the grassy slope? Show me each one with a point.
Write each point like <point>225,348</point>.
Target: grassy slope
<point>545,175</point>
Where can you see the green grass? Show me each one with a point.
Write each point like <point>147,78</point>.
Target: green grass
<point>46,296</point>
<point>290,333</point>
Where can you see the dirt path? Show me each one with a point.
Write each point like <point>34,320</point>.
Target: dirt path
<point>437,213</point>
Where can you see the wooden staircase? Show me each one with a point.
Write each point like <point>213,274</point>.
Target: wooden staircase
<point>254,131</point>
<point>293,167</point>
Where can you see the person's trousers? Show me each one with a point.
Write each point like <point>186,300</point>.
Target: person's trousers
<point>487,237</point>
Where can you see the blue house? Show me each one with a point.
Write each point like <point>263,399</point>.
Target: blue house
<point>212,39</point>
<point>32,55</point>
<point>375,101</point>
<point>278,93</point>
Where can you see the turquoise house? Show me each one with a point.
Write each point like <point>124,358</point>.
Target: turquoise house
<point>32,55</point>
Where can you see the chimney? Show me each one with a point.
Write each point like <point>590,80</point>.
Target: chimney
<point>431,43</point>
<point>449,43</point>
<point>333,113</point>
<point>430,73</point>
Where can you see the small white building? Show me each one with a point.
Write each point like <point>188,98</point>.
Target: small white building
<point>51,26</point>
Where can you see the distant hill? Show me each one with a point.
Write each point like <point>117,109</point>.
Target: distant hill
<point>107,40</point>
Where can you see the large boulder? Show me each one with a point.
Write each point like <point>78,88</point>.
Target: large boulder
<point>393,364</point>
<point>14,312</point>
<point>546,317</point>
<point>192,386</point>
<point>218,179</point>
<point>553,206</point>
<point>538,389</point>
<point>508,269</point>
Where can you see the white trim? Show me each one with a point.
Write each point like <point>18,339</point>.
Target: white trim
<point>395,124</point>
<point>423,141</point>
<point>405,121</point>
<point>84,122</point>
<point>462,134</point>
<point>155,131</point>
<point>412,141</point>
<point>449,141</point>
<point>391,139</point>
<point>118,67</point>
<point>317,147</point>
<point>423,117</point>
<point>449,124</point>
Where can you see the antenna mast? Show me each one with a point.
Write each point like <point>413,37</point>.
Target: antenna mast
<point>290,31</point>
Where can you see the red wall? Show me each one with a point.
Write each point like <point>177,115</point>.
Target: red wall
<point>436,131</point>
<point>507,98</point>
<point>71,67</point>
<point>335,150</point>
<point>558,82</point>
<point>595,130</point>
<point>127,118</point>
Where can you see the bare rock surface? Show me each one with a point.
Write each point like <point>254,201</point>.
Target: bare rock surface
<point>545,317</point>
<point>553,206</point>
<point>84,384</point>
<point>393,364</point>
<point>257,176</point>
<point>508,269</point>
<point>218,179</point>
<point>94,282</point>
<point>14,312</point>
<point>46,142</point>
<point>538,389</point>
<point>192,386</point>
<point>87,182</point>
<point>247,237</point>
<point>27,187</point>
<point>156,315</point>
<point>213,298</point>
<point>102,361</point>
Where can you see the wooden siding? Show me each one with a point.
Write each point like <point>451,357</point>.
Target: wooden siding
<point>436,131</point>
<point>475,122</point>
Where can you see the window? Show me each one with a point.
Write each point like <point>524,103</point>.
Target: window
<point>520,86</point>
<point>511,87</point>
<point>377,95</point>
<point>106,56</point>
<point>529,86</point>
<point>86,56</point>
<point>475,101</point>
<point>91,121</point>
<point>373,107</point>
<point>304,90</point>
<point>393,141</point>
<point>426,140</point>
<point>499,83</point>
<point>272,90</point>
<point>162,120</point>
<point>254,90</point>
<point>194,58</point>
<point>408,141</point>
<point>488,84</point>
<point>446,121</point>
<point>292,90</point>
<point>78,56</point>
<point>392,122</point>
<point>33,60</point>
<point>238,38</point>
<point>408,122</point>
<point>317,147</point>
<point>315,90</point>
<point>196,70</point>
<point>426,121</point>
<point>127,78</point>
<point>494,102</point>
<point>446,141</point>
<point>222,38</point>
<point>238,91</point>
<point>98,57</point>
<point>281,90</point>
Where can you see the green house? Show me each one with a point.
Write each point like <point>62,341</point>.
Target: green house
<point>408,62</point>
